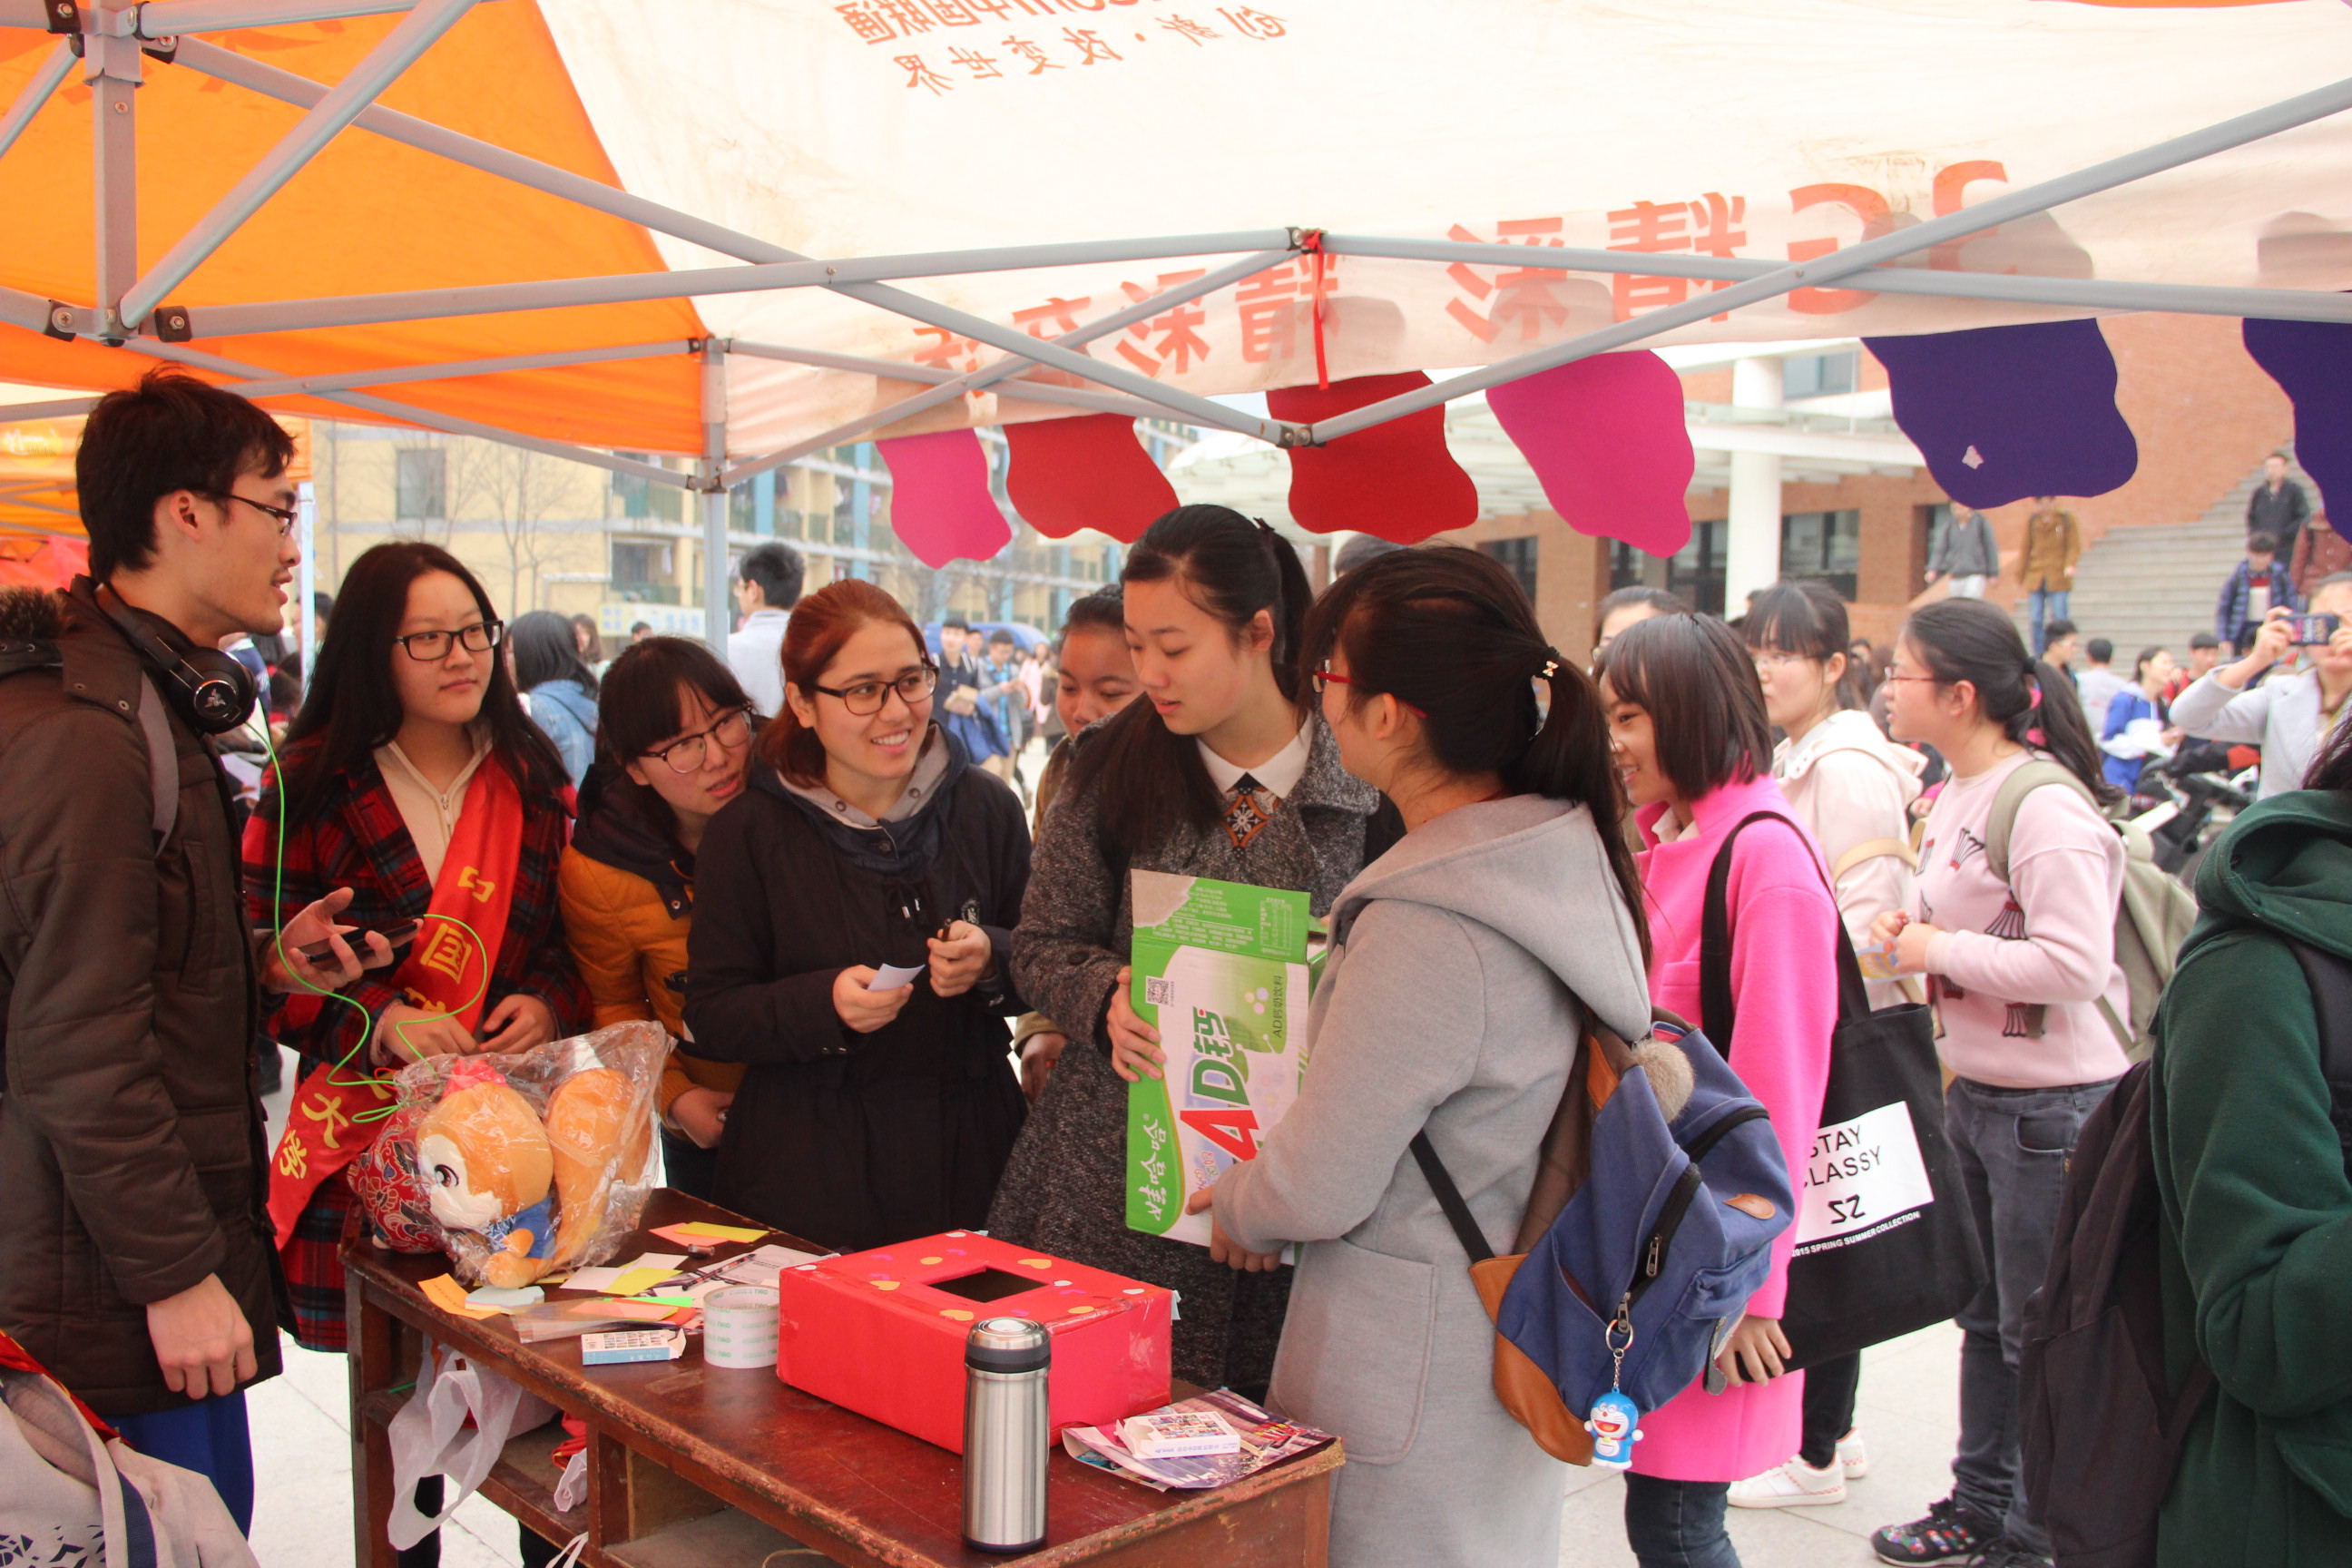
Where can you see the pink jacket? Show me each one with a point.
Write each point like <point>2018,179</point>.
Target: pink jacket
<point>1784,986</point>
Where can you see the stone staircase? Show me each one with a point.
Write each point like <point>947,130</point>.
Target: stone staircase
<point>2156,582</point>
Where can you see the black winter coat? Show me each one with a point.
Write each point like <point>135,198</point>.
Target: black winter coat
<point>131,1158</point>
<point>856,1141</point>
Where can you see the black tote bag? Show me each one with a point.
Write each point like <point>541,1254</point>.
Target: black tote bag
<point>1885,1241</point>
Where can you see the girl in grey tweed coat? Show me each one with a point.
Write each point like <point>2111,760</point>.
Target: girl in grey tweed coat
<point>1239,591</point>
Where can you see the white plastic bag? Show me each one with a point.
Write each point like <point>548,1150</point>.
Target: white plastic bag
<point>430,1435</point>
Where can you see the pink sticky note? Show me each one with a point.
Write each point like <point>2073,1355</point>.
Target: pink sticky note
<point>940,501</point>
<point>1606,440</point>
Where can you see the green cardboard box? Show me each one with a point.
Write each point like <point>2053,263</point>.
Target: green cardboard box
<point>1221,971</point>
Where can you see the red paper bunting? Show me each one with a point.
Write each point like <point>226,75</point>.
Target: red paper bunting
<point>1396,480</point>
<point>940,501</point>
<point>1085,473</point>
<point>1606,440</point>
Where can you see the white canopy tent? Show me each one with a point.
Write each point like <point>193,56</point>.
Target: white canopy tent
<point>1363,186</point>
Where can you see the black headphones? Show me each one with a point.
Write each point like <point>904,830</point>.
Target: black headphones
<point>212,690</point>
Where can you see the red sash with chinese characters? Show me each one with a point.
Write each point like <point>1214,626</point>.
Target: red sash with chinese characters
<point>448,971</point>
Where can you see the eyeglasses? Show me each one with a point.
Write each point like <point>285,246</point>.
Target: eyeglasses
<point>866,698</point>
<point>1771,659</point>
<point>430,647</point>
<point>285,517</point>
<point>684,756</point>
<point>1893,680</point>
<point>1327,676</point>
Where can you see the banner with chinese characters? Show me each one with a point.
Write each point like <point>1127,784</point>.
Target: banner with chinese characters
<point>1691,127</point>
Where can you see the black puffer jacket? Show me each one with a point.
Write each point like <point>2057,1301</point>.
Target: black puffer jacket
<point>132,1154</point>
<point>851,1140</point>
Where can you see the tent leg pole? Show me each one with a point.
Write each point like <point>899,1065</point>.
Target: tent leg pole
<point>112,68</point>
<point>716,621</point>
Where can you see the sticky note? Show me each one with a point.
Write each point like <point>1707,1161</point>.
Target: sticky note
<point>634,1281</point>
<point>449,1296</point>
<point>704,1227</point>
<point>591,1280</point>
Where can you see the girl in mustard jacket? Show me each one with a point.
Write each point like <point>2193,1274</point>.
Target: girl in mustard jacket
<point>674,737</point>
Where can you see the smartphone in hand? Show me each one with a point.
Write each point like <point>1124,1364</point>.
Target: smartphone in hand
<point>400,938</point>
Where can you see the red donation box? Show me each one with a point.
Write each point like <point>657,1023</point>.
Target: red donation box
<point>882,1333</point>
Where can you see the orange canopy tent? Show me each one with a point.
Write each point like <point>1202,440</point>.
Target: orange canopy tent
<point>745,230</point>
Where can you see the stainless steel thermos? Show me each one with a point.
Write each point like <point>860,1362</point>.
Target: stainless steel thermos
<point>1006,1434</point>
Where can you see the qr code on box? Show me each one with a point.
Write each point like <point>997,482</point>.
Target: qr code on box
<point>1159,992</point>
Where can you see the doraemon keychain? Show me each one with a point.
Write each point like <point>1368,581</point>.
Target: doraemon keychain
<point>1615,1414</point>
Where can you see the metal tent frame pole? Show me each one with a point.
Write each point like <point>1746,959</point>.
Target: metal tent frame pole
<point>1004,369</point>
<point>1845,262</point>
<point>408,414</point>
<point>2006,288</point>
<point>37,92</point>
<point>394,53</point>
<point>713,495</point>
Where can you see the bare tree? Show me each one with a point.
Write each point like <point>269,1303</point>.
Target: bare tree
<point>515,489</point>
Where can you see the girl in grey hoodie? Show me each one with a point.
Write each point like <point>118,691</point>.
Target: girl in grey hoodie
<point>1463,963</point>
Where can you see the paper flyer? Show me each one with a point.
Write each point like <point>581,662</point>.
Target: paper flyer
<point>1221,971</point>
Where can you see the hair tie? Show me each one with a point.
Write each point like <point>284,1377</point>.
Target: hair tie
<point>2034,697</point>
<point>2034,737</point>
<point>1551,664</point>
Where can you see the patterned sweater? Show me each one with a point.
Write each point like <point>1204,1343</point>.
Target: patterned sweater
<point>1063,1192</point>
<point>2046,936</point>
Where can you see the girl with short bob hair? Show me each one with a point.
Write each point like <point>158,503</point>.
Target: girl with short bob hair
<point>1693,749</point>
<point>866,838</point>
<point>674,740</point>
<point>1220,771</point>
<point>2031,1000</point>
<point>1449,1003</point>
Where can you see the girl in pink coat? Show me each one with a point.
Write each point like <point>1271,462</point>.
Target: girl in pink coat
<point>1695,753</point>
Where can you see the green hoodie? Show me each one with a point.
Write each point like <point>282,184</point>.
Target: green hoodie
<point>2258,1210</point>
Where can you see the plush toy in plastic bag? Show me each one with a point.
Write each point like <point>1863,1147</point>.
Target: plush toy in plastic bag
<point>528,1164</point>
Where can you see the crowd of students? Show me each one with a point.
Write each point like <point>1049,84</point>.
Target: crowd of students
<point>1503,844</point>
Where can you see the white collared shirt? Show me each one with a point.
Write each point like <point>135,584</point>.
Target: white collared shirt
<point>429,813</point>
<point>1279,775</point>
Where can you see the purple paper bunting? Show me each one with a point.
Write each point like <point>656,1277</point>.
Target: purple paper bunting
<point>2003,413</point>
<point>2311,361</point>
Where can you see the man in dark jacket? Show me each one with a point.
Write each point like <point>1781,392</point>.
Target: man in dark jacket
<point>2278,506</point>
<point>136,1260</point>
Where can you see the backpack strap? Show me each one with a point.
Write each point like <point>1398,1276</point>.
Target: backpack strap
<point>2330,979</point>
<point>1715,1004</point>
<point>1449,1198</point>
<point>1875,849</point>
<point>19,657</point>
<point>1999,827</point>
<point>163,762</point>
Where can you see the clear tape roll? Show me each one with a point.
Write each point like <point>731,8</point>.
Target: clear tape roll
<point>739,1327</point>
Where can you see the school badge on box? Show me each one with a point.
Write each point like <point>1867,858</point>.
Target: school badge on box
<point>1221,971</point>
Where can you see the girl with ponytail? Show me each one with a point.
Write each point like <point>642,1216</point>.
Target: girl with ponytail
<point>1457,984</point>
<point>1220,771</point>
<point>2022,968</point>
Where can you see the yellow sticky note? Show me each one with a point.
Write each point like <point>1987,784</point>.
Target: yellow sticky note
<point>709,1231</point>
<point>635,1282</point>
<point>449,1296</point>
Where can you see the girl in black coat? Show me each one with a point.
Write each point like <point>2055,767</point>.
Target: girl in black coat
<point>865,839</point>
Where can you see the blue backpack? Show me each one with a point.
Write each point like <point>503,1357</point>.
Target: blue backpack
<point>1645,1234</point>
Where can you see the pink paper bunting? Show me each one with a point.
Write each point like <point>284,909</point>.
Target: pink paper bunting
<point>1606,440</point>
<point>940,501</point>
